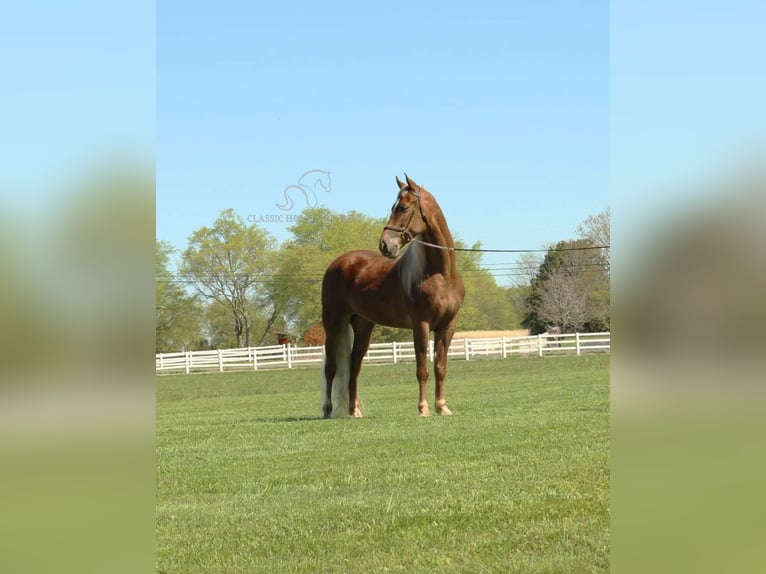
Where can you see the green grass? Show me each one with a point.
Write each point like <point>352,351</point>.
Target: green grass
<point>249,479</point>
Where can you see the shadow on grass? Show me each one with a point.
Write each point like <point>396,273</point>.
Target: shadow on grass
<point>289,419</point>
<point>304,419</point>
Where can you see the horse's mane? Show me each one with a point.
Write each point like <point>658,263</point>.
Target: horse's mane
<point>412,266</point>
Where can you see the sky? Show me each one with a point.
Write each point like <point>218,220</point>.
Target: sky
<point>78,89</point>
<point>522,119</point>
<point>687,88</point>
<point>500,109</point>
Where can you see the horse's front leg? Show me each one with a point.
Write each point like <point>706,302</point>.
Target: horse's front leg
<point>420,336</point>
<point>442,340</point>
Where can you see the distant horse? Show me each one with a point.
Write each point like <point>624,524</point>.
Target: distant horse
<point>307,184</point>
<point>419,290</point>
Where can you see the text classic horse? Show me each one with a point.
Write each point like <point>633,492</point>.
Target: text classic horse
<point>418,288</point>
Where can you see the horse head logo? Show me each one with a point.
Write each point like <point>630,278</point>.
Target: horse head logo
<point>307,185</point>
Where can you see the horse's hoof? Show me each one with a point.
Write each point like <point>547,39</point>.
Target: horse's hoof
<point>443,410</point>
<point>356,413</point>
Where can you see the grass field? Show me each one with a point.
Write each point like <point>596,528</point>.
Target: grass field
<point>249,479</point>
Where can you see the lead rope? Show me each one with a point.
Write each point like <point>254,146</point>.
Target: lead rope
<point>415,239</point>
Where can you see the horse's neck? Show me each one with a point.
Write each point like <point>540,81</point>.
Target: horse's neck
<point>440,260</point>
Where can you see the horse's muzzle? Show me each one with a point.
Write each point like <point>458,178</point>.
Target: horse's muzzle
<point>389,248</point>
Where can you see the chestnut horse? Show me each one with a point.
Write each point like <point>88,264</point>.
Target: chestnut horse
<point>418,288</point>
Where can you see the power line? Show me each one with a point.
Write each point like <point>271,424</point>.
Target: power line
<point>507,271</point>
<point>476,250</point>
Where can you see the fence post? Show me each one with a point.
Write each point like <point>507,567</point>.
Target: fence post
<point>467,347</point>
<point>254,351</point>
<point>577,343</point>
<point>540,345</point>
<point>430,350</point>
<point>393,346</point>
<point>161,365</point>
<point>505,348</point>
<point>289,356</point>
<point>188,361</point>
<point>220,360</point>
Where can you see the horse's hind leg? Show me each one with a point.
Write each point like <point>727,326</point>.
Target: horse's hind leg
<point>362,333</point>
<point>330,367</point>
<point>442,340</point>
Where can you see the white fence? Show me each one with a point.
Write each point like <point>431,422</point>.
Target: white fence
<point>289,356</point>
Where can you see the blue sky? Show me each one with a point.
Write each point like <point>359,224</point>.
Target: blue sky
<point>521,119</point>
<point>78,84</point>
<point>500,110</point>
<point>687,89</point>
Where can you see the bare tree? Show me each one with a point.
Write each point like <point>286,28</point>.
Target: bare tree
<point>596,230</point>
<point>526,268</point>
<point>563,299</point>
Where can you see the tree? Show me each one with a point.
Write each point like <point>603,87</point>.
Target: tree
<point>571,287</point>
<point>517,296</point>
<point>526,268</point>
<point>177,322</point>
<point>486,305</point>
<point>570,290</point>
<point>314,335</point>
<point>218,326</point>
<point>532,319</point>
<point>596,230</point>
<point>563,298</point>
<point>231,263</point>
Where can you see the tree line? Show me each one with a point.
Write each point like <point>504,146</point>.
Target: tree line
<point>234,285</point>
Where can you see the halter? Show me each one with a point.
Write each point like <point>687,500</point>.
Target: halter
<point>405,231</point>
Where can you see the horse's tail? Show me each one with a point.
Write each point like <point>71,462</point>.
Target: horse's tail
<point>340,392</point>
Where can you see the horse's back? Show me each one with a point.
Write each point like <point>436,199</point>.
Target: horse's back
<point>343,271</point>
<point>352,260</point>
<point>362,283</point>
<point>347,266</point>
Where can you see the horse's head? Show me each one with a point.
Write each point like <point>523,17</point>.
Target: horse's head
<point>407,219</point>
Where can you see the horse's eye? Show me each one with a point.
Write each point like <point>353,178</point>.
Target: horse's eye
<point>401,208</point>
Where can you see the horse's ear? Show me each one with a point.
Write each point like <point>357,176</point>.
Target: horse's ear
<point>399,183</point>
<point>410,183</point>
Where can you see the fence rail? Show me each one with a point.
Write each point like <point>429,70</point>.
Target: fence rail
<point>290,356</point>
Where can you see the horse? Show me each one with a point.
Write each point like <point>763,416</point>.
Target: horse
<point>417,287</point>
